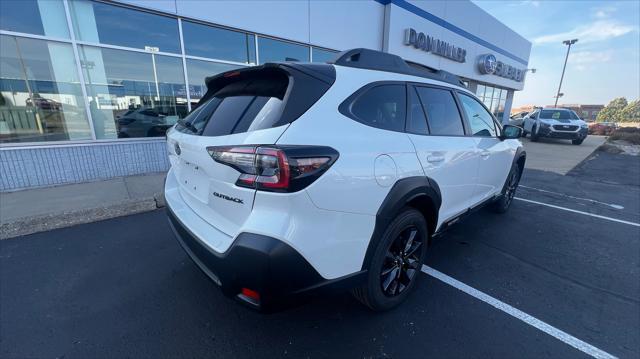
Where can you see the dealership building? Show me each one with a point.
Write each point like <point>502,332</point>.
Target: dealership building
<point>88,88</point>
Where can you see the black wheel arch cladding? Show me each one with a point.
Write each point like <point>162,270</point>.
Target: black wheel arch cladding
<point>420,192</point>
<point>520,156</point>
<point>519,159</point>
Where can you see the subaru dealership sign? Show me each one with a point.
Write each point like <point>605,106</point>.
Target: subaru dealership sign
<point>435,46</point>
<point>488,65</point>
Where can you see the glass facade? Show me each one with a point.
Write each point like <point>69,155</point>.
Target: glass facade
<point>272,50</point>
<point>97,22</point>
<point>40,94</point>
<point>121,73</point>
<point>27,16</point>
<point>321,55</point>
<point>132,94</point>
<point>494,98</point>
<point>218,43</point>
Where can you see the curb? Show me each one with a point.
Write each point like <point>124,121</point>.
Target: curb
<point>48,222</point>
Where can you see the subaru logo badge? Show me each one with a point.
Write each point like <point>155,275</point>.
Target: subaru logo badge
<point>176,147</point>
<point>487,64</point>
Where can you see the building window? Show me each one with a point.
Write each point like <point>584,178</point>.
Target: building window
<point>97,22</point>
<point>494,98</point>
<point>198,71</point>
<point>271,50</point>
<point>320,55</point>
<point>132,94</point>
<point>131,62</point>
<point>40,95</point>
<point>26,16</point>
<point>217,43</point>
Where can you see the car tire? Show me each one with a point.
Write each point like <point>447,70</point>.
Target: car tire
<point>577,142</point>
<point>396,263</point>
<point>502,204</point>
<point>534,134</point>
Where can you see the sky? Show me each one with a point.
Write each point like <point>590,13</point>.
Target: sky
<point>603,64</point>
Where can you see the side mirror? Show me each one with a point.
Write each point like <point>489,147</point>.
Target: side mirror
<point>510,132</point>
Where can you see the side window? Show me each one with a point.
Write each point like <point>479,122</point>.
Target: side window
<point>480,120</point>
<point>382,106</point>
<point>416,121</point>
<point>442,112</point>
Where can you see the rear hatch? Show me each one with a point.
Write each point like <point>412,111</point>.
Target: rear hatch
<point>252,106</point>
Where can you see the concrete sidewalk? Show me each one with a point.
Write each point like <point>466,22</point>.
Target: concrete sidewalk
<point>559,156</point>
<point>35,210</point>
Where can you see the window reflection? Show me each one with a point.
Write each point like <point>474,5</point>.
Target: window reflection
<point>198,71</point>
<point>218,43</point>
<point>132,94</point>
<point>40,95</point>
<point>320,55</point>
<point>271,50</point>
<point>26,16</point>
<point>108,24</point>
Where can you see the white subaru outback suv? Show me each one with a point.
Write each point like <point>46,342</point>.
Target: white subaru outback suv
<point>555,123</point>
<point>290,179</point>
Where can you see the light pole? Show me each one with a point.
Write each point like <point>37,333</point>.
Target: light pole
<point>566,42</point>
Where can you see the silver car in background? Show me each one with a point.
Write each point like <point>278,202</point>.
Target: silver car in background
<point>555,123</point>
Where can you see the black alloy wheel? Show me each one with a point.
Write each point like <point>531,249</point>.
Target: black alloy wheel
<point>394,270</point>
<point>502,204</point>
<point>401,263</point>
<point>512,185</point>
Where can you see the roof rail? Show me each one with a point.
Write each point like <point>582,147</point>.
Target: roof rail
<point>377,60</point>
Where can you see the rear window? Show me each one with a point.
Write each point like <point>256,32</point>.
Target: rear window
<point>257,99</point>
<point>383,106</point>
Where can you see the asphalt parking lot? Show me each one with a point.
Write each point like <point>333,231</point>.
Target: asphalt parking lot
<point>567,265</point>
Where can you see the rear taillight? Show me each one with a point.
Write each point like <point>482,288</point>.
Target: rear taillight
<point>276,168</point>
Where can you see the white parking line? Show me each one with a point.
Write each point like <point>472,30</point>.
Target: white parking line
<point>616,206</point>
<point>516,313</point>
<point>580,212</point>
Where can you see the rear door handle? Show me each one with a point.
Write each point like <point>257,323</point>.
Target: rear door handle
<point>485,153</point>
<point>435,158</point>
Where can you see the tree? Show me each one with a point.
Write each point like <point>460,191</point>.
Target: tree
<point>613,111</point>
<point>631,112</point>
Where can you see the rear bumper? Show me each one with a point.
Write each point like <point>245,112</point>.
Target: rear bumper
<point>568,135</point>
<point>262,264</point>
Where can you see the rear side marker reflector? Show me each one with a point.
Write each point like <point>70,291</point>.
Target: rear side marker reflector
<point>250,296</point>
<point>275,168</point>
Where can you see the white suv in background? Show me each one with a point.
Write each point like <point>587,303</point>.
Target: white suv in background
<point>290,179</point>
<point>555,123</point>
